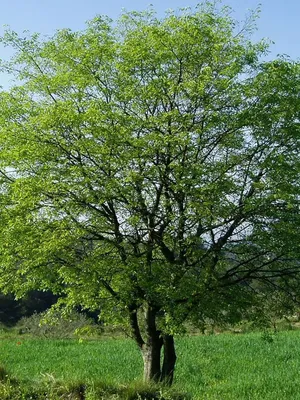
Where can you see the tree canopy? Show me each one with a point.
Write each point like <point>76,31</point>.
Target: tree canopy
<point>151,168</point>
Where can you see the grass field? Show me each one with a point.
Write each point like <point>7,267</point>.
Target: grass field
<point>226,366</point>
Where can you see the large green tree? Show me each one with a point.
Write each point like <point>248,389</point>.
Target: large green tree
<point>150,168</point>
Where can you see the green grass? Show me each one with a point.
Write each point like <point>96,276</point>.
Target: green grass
<point>250,366</point>
<point>105,360</point>
<point>226,366</point>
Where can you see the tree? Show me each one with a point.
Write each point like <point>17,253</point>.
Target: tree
<point>150,168</point>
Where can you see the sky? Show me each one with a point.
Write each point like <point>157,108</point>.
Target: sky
<point>279,20</point>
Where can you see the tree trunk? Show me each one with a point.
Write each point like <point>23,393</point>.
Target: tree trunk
<point>152,347</point>
<point>151,344</point>
<point>168,367</point>
<point>151,356</point>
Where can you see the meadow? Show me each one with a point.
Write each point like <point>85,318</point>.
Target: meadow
<point>252,366</point>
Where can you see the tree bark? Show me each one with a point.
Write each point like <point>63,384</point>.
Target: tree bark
<point>168,367</point>
<point>152,347</point>
<point>151,356</point>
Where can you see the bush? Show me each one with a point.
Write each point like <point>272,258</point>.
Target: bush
<point>75,325</point>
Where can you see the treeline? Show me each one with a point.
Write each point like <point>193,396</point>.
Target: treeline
<point>35,302</point>
<point>11,310</point>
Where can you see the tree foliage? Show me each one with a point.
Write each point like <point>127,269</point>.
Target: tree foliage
<point>151,165</point>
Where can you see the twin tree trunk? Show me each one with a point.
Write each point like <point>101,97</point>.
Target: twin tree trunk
<point>153,370</point>
<point>151,346</point>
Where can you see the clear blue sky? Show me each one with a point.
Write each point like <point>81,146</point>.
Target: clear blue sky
<point>279,19</point>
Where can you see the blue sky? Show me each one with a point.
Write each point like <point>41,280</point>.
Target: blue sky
<point>279,19</point>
